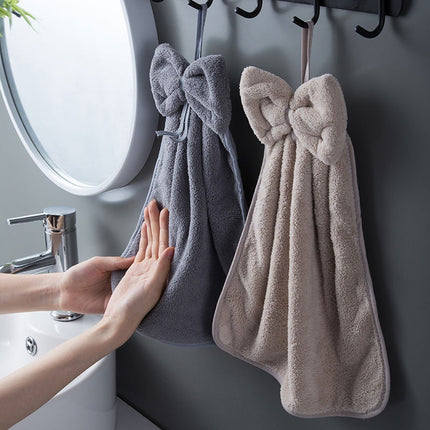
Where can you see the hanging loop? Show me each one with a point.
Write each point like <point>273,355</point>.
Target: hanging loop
<point>314,19</point>
<point>198,6</point>
<point>201,19</point>
<point>370,34</point>
<point>251,14</point>
<point>307,34</point>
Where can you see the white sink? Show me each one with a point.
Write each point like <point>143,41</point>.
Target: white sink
<point>88,402</point>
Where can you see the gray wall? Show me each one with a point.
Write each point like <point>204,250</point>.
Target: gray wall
<point>386,86</point>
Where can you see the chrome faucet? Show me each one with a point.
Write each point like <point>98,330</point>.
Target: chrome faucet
<point>61,248</point>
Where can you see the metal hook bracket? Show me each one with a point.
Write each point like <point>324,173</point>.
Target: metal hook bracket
<point>302,23</point>
<point>373,33</point>
<point>252,14</point>
<point>192,3</point>
<point>198,6</point>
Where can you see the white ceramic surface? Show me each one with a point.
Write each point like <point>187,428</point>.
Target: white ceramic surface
<point>88,402</point>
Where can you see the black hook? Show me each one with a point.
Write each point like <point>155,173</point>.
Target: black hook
<point>198,6</point>
<point>302,23</point>
<point>369,34</point>
<point>251,14</point>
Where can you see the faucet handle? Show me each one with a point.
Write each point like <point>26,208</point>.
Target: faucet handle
<point>54,217</point>
<point>26,218</point>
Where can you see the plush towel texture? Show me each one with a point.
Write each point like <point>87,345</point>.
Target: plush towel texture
<point>298,301</point>
<point>198,180</point>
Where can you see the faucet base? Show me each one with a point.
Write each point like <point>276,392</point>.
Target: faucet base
<point>65,316</point>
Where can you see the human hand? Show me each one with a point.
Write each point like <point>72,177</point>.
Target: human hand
<point>142,285</point>
<point>86,287</point>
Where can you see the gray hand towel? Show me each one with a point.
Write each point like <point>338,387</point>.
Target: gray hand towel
<point>198,180</point>
<point>298,301</point>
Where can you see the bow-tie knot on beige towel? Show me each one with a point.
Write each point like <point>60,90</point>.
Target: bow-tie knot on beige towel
<point>316,112</point>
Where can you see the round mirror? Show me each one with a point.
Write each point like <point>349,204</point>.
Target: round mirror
<point>77,88</point>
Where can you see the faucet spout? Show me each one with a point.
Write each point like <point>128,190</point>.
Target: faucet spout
<point>32,262</point>
<point>61,248</point>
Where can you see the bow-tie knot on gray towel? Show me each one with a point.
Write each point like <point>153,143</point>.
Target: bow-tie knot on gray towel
<point>316,112</point>
<point>203,84</point>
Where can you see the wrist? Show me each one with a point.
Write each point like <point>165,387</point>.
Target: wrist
<point>29,292</point>
<point>112,332</point>
<point>41,292</point>
<point>53,287</point>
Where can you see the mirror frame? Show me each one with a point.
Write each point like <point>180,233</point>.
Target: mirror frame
<point>143,40</point>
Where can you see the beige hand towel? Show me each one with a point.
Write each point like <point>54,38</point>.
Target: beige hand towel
<point>298,301</point>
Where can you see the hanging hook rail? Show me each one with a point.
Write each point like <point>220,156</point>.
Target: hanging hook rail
<point>251,14</point>
<point>302,23</point>
<point>392,8</point>
<point>370,34</point>
<point>192,3</point>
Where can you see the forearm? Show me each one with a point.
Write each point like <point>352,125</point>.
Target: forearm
<point>23,293</point>
<point>25,390</point>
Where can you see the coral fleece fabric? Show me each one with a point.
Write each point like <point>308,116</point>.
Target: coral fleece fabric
<point>298,301</point>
